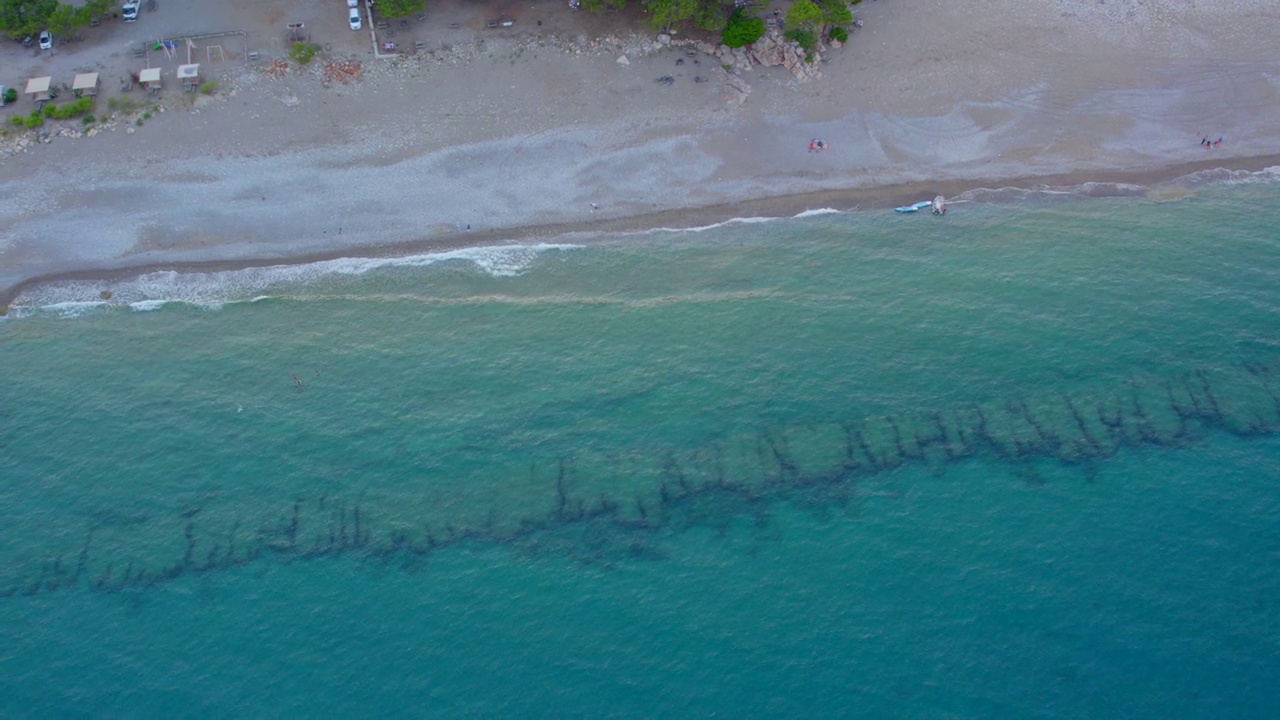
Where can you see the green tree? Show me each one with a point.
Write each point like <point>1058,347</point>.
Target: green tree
<point>400,8</point>
<point>598,5</point>
<point>93,9</point>
<point>709,15</point>
<point>665,13</point>
<point>835,12</point>
<point>805,14</point>
<point>741,29</point>
<point>19,18</point>
<point>64,20</point>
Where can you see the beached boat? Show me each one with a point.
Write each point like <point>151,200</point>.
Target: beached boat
<point>939,205</point>
<point>912,208</point>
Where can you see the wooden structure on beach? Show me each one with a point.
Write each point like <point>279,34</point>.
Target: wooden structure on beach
<point>38,88</point>
<point>85,84</point>
<point>150,79</point>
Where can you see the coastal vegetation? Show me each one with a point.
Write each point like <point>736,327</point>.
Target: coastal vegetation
<point>804,37</point>
<point>400,8</point>
<point>68,110</point>
<point>20,18</point>
<point>738,23</point>
<point>301,52</point>
<point>34,120</point>
<point>742,29</point>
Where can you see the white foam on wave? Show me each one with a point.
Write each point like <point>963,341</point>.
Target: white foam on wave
<point>148,305</point>
<point>1223,176</point>
<point>819,211</point>
<point>1010,193</point>
<point>70,308</point>
<point>753,220</point>
<point>712,226</point>
<point>212,290</point>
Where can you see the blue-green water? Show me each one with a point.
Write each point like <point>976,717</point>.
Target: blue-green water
<point>1019,461</point>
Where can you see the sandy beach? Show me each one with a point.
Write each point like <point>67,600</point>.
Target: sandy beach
<point>537,129</point>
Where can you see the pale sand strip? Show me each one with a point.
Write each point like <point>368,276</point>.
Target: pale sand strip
<point>928,97</point>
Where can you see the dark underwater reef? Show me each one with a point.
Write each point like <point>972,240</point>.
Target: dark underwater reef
<point>598,507</point>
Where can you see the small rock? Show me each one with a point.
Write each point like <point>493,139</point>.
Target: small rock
<point>128,131</point>
<point>664,39</point>
<point>623,60</point>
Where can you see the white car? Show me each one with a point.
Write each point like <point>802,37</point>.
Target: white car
<point>46,40</point>
<point>352,3</point>
<point>353,17</point>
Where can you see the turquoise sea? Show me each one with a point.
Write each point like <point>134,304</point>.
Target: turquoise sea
<point>1018,461</point>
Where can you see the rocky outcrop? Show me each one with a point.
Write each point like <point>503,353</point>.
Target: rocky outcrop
<point>773,49</point>
<point>770,50</point>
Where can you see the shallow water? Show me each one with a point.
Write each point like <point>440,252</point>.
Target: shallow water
<point>1018,460</point>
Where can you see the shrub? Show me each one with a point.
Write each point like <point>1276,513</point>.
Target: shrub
<point>807,39</point>
<point>34,120</point>
<point>88,120</point>
<point>208,87</point>
<point>302,53</point>
<point>839,34</point>
<point>10,95</point>
<point>741,29</point>
<point>69,110</point>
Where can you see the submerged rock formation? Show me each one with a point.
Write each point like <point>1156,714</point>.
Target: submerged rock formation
<point>602,505</point>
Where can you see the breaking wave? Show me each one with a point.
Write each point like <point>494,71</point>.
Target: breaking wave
<point>211,290</point>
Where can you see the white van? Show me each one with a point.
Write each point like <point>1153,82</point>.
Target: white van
<point>130,11</point>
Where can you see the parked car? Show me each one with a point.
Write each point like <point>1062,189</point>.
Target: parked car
<point>352,3</point>
<point>130,11</point>
<point>46,40</point>
<point>353,17</point>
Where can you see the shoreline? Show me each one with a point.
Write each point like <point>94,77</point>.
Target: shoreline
<point>856,199</point>
<point>558,129</point>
